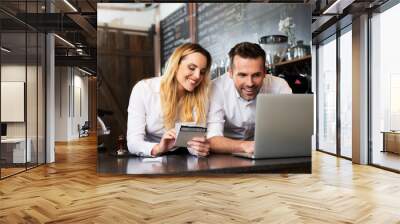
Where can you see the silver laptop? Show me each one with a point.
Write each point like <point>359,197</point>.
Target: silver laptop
<point>284,126</point>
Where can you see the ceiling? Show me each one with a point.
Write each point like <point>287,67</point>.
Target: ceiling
<point>331,15</point>
<point>76,22</point>
<point>72,20</point>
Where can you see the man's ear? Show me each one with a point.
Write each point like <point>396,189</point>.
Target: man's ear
<point>230,72</point>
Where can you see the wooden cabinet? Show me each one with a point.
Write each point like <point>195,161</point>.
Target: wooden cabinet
<point>391,142</point>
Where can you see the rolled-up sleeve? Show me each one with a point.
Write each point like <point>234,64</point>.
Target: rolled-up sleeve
<point>216,113</point>
<point>137,122</point>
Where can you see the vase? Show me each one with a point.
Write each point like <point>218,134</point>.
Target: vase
<point>291,38</point>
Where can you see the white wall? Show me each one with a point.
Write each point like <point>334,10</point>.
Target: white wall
<point>68,83</point>
<point>33,126</point>
<point>12,73</point>
<point>124,15</point>
<point>12,101</point>
<point>62,81</point>
<point>84,85</point>
<point>79,117</point>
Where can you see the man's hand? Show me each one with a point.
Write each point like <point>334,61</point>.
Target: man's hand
<point>248,146</point>
<point>220,144</point>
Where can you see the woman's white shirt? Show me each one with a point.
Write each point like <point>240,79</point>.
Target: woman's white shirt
<point>145,117</point>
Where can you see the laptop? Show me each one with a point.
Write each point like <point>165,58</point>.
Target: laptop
<point>283,127</point>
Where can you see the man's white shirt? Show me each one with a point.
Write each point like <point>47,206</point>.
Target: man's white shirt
<point>232,116</point>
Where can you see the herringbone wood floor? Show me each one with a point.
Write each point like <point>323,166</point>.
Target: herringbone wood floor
<point>70,191</point>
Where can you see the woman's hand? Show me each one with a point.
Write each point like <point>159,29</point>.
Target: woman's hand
<point>166,143</point>
<point>199,146</point>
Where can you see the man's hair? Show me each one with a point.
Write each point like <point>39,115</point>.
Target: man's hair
<point>247,50</point>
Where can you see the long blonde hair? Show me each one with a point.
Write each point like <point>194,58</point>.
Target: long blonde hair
<point>196,101</point>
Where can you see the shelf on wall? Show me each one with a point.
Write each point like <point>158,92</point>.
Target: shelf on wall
<point>292,61</point>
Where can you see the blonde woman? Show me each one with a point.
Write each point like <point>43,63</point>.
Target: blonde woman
<point>180,95</point>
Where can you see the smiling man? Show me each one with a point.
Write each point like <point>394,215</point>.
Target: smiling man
<point>231,118</point>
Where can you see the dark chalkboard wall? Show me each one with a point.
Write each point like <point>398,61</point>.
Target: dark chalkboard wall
<point>174,31</point>
<point>221,26</point>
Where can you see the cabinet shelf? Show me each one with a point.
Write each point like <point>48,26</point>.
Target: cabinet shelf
<point>296,72</point>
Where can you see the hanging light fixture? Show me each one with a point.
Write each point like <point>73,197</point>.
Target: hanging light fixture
<point>70,5</point>
<point>5,50</point>
<point>65,41</point>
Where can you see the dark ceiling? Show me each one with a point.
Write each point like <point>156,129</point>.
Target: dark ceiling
<point>76,24</point>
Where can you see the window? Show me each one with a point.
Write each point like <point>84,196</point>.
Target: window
<point>327,96</point>
<point>346,92</point>
<point>385,88</point>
